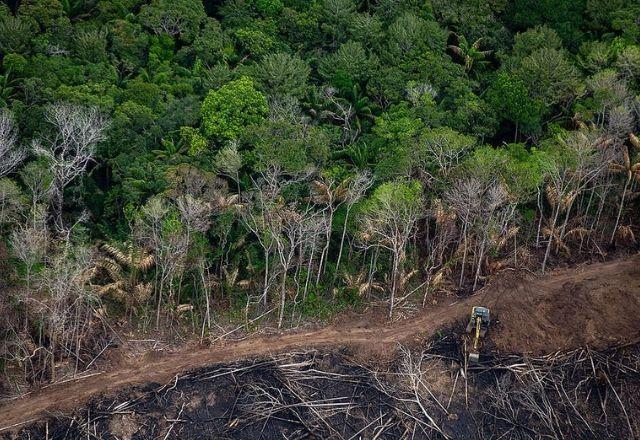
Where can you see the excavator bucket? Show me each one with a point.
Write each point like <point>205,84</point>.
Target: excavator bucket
<point>474,357</point>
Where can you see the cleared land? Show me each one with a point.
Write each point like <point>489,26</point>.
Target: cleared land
<point>595,305</point>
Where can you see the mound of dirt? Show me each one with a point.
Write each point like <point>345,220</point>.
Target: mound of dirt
<point>594,305</point>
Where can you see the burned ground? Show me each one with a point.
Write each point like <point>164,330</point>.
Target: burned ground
<point>422,393</point>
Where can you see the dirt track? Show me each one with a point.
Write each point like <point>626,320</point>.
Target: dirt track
<point>594,305</point>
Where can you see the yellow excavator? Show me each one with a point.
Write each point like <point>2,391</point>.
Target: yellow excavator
<point>478,325</point>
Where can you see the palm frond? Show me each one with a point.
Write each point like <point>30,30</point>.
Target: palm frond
<point>626,235</point>
<point>115,253</point>
<point>635,141</point>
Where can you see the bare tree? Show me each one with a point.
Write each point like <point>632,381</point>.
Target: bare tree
<point>312,232</point>
<point>38,181</point>
<point>69,148</point>
<point>620,122</point>
<point>342,114</point>
<point>491,222</point>
<point>464,196</point>
<point>388,223</point>
<point>29,243</point>
<point>68,306</point>
<point>443,149</point>
<point>332,194</point>
<point>581,158</point>
<point>438,238</point>
<point>11,153</point>
<point>256,214</point>
<point>259,206</point>
<point>162,230</point>
<point>356,189</point>
<point>292,226</point>
<point>194,213</point>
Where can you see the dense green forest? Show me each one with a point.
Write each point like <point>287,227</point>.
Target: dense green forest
<point>179,164</point>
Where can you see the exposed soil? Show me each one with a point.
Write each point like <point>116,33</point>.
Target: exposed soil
<point>595,305</point>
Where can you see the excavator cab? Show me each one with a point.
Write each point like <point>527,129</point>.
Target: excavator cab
<point>478,325</point>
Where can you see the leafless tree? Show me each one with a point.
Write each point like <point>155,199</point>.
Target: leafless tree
<point>159,230</point>
<point>258,210</point>
<point>440,235</point>
<point>584,157</point>
<point>620,122</point>
<point>312,233</point>
<point>29,243</point>
<point>11,153</point>
<point>256,213</point>
<point>464,196</point>
<point>38,181</point>
<point>196,216</point>
<point>389,226</point>
<point>69,148</point>
<point>342,113</point>
<point>287,108</point>
<point>12,202</point>
<point>292,226</point>
<point>69,303</point>
<point>356,189</point>
<point>194,213</point>
<point>492,223</point>
<point>486,211</point>
<point>631,171</point>
<point>442,154</point>
<point>332,194</point>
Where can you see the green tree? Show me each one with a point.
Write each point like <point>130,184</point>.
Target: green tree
<point>396,131</point>
<point>128,44</point>
<point>226,112</point>
<point>348,66</point>
<point>550,77</point>
<point>336,18</point>
<point>15,33</point>
<point>510,97</point>
<point>282,74</point>
<point>409,36</point>
<point>286,145</point>
<point>209,44</point>
<point>539,37</point>
<point>179,18</point>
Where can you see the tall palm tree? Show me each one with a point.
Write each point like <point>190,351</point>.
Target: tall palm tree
<point>470,54</point>
<point>170,151</point>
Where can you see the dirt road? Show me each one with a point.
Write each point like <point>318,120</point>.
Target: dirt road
<point>595,304</point>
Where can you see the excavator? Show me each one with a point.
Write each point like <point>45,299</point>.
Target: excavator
<point>478,325</point>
